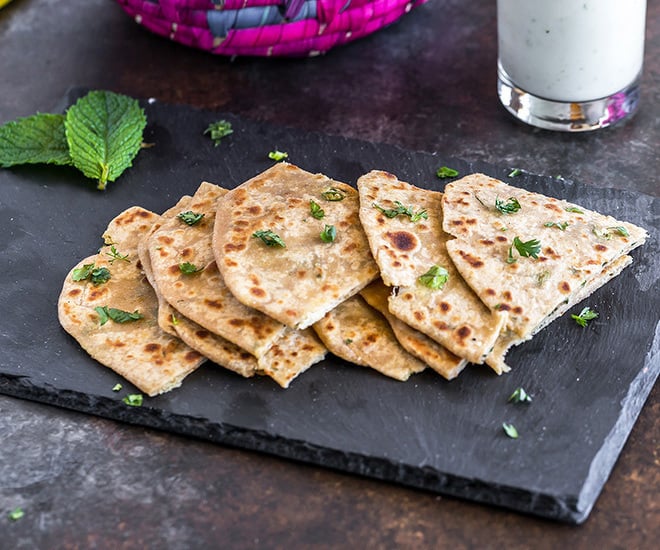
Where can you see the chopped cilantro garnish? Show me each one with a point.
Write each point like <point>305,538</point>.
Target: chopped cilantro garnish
<point>520,396</point>
<point>116,315</point>
<point>515,172</point>
<point>188,269</point>
<point>115,255</point>
<point>558,225</point>
<point>526,249</point>
<point>446,172</point>
<point>16,514</point>
<point>133,399</point>
<point>218,130</point>
<point>97,275</point>
<point>278,156</point>
<point>510,207</point>
<point>333,194</point>
<point>574,209</point>
<point>189,217</point>
<point>117,387</point>
<point>402,210</point>
<point>269,238</point>
<point>316,211</point>
<point>586,315</point>
<point>329,234</point>
<point>435,278</point>
<point>510,430</point>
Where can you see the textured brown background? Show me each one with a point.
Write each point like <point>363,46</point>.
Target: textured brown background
<point>427,82</point>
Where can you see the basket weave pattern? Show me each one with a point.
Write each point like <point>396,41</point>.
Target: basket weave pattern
<point>266,27</point>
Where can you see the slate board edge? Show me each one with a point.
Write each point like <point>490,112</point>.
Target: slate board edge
<point>555,507</point>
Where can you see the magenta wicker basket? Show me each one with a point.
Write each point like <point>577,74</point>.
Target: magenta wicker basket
<point>266,27</point>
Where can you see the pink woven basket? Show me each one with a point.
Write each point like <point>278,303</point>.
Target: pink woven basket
<point>266,27</point>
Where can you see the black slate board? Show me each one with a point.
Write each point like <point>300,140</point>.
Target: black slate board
<point>588,384</point>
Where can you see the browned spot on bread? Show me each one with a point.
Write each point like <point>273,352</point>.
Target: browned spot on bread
<point>501,239</point>
<point>396,263</point>
<point>507,295</point>
<point>551,206</point>
<point>164,239</point>
<point>463,332</point>
<point>152,347</point>
<point>419,315</point>
<point>471,221</point>
<point>138,264</point>
<point>74,292</point>
<point>187,252</point>
<point>371,338</point>
<point>350,247</point>
<point>564,287</point>
<point>503,307</point>
<point>444,306</point>
<point>193,356</point>
<point>241,223</point>
<point>115,343</point>
<point>402,240</point>
<point>174,269</point>
<point>329,326</point>
<point>258,292</point>
<point>254,210</point>
<point>490,291</point>
<point>600,247</point>
<point>457,222</point>
<point>97,293</point>
<point>215,304</point>
<point>440,325</point>
<point>202,334</point>
<point>549,251</point>
<point>234,247</point>
<point>517,310</point>
<point>237,322</point>
<point>291,313</point>
<point>487,242</point>
<point>407,296</point>
<point>469,258</point>
<point>301,273</point>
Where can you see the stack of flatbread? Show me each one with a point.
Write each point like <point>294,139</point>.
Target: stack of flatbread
<point>265,278</point>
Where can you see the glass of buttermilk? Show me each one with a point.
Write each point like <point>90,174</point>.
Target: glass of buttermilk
<point>570,65</point>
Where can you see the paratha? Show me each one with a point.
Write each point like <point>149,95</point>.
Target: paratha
<point>495,252</point>
<point>203,296</point>
<point>359,334</point>
<point>406,246</point>
<point>421,346</point>
<point>270,251</point>
<point>138,349</point>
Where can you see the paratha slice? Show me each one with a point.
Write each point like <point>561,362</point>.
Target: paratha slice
<point>573,246</point>
<point>359,334</point>
<point>270,251</point>
<point>406,247</point>
<point>138,350</point>
<point>439,358</point>
<point>202,296</point>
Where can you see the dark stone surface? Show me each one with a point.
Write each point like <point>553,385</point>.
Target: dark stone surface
<point>87,482</point>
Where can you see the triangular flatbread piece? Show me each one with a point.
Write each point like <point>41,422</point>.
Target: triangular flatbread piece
<point>409,244</point>
<point>439,358</point>
<point>359,334</point>
<point>270,251</point>
<point>138,350</point>
<point>534,254</point>
<point>202,296</point>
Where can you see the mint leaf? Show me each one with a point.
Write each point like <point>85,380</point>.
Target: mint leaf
<point>104,133</point>
<point>35,139</point>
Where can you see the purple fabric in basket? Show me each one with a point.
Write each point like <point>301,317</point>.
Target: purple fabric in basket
<point>266,27</point>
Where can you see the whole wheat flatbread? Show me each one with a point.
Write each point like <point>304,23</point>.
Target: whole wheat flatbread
<point>139,351</point>
<point>453,316</point>
<point>576,245</point>
<point>203,297</point>
<point>421,346</point>
<point>300,282</point>
<point>359,334</point>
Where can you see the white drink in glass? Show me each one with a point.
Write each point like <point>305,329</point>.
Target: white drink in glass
<point>570,64</point>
